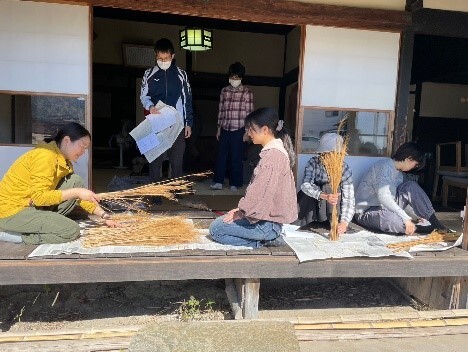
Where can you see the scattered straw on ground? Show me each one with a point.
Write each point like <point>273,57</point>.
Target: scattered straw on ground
<point>434,237</point>
<point>142,230</point>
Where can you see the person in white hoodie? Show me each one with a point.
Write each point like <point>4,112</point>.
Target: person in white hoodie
<point>270,198</point>
<point>384,200</point>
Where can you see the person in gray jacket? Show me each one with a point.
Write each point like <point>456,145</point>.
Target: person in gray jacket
<point>384,201</point>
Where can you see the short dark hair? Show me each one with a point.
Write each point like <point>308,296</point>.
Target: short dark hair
<point>409,150</point>
<point>73,130</point>
<point>164,45</point>
<point>236,69</point>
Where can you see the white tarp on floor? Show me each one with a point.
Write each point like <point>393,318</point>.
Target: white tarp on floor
<point>313,246</point>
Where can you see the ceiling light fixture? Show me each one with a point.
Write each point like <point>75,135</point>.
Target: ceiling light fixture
<point>196,39</point>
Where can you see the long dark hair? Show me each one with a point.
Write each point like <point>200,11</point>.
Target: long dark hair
<point>269,117</point>
<point>73,130</point>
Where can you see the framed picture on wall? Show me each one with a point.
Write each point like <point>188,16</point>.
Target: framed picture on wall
<point>138,55</point>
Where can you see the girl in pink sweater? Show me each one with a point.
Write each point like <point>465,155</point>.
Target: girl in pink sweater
<point>270,198</point>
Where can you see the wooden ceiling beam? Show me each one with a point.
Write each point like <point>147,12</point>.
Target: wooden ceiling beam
<point>270,11</point>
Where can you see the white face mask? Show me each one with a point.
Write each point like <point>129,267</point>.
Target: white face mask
<point>235,82</point>
<point>164,65</point>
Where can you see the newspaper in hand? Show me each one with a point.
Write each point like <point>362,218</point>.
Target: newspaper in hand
<point>166,128</point>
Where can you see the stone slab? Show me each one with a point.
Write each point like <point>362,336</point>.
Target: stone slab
<point>229,336</point>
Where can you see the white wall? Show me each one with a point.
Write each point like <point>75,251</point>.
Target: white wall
<point>42,41</point>
<point>11,153</point>
<point>449,5</point>
<point>44,49</point>
<point>444,100</point>
<point>350,68</point>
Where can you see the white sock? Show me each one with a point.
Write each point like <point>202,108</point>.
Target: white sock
<point>11,236</point>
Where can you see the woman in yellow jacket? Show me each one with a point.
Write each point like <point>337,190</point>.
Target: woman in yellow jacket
<point>40,189</point>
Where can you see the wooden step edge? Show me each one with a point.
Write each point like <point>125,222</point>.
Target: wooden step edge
<point>421,323</point>
<point>373,317</point>
<point>69,334</point>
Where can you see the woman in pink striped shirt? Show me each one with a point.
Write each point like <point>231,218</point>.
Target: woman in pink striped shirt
<point>270,198</point>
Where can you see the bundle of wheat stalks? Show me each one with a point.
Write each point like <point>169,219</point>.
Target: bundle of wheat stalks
<point>168,189</point>
<point>142,230</point>
<point>434,237</point>
<point>333,162</point>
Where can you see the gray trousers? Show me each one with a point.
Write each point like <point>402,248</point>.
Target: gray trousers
<point>176,160</point>
<point>47,224</point>
<point>383,220</point>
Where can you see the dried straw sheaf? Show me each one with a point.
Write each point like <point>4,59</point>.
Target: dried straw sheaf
<point>435,236</point>
<point>168,189</point>
<point>142,230</point>
<point>333,163</point>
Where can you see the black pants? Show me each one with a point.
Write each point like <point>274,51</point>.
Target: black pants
<point>176,159</point>
<point>313,210</point>
<point>231,147</point>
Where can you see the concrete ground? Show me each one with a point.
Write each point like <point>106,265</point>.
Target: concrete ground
<point>443,343</point>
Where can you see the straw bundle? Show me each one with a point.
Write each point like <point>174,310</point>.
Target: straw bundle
<point>168,189</point>
<point>434,237</point>
<point>142,230</point>
<point>333,163</point>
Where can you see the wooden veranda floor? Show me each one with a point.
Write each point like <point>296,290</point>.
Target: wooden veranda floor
<point>278,262</point>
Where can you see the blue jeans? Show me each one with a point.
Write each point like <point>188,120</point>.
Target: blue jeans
<point>242,233</point>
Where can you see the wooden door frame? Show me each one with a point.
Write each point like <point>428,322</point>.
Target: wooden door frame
<point>276,12</point>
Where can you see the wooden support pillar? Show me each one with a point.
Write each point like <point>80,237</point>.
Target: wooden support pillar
<point>465,225</point>
<point>463,290</point>
<point>23,119</point>
<point>449,292</point>
<point>403,89</point>
<point>243,296</point>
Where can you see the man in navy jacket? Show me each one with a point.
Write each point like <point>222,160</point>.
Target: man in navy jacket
<point>168,83</point>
